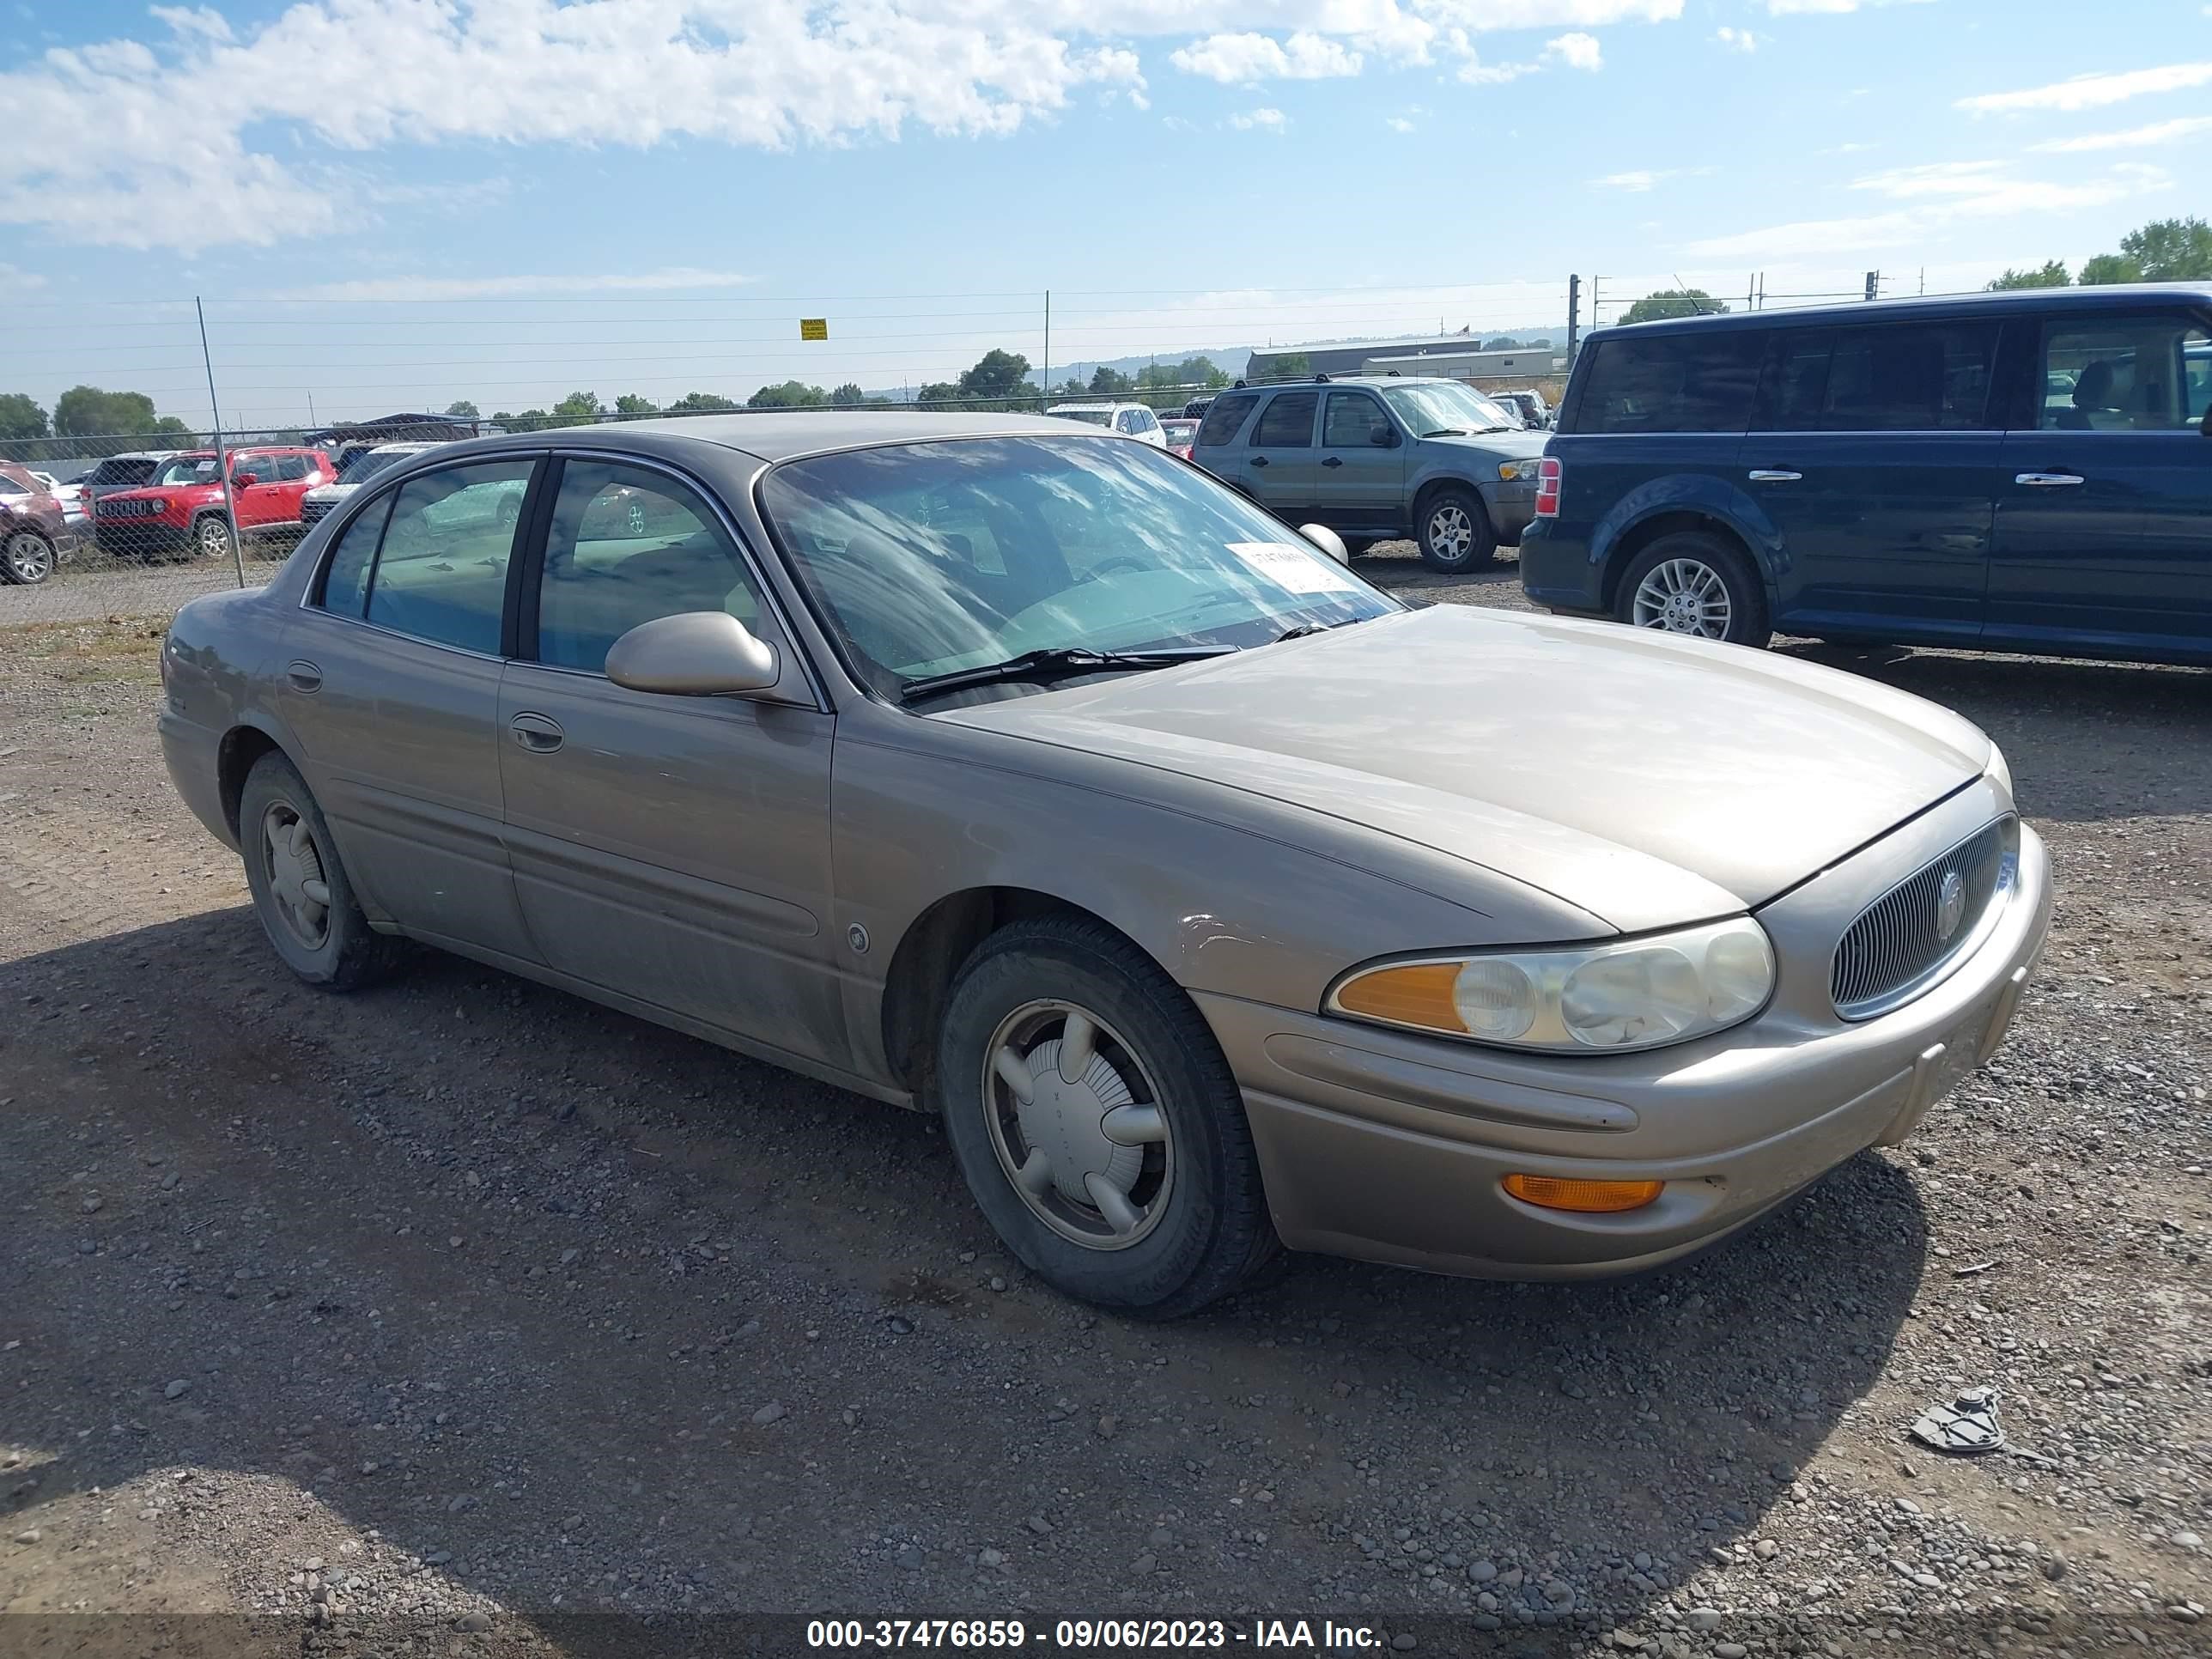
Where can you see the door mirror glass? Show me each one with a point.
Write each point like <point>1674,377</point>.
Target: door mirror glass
<point>695,654</point>
<point>1327,540</point>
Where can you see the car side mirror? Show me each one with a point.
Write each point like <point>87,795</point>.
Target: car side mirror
<point>695,653</point>
<point>2204,426</point>
<point>1386,436</point>
<point>241,480</point>
<point>1327,540</point>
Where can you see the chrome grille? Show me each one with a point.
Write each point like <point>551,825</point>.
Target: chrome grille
<point>1900,946</point>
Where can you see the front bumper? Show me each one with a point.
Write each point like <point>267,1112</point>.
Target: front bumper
<point>140,536</point>
<point>1512,508</point>
<point>1389,1146</point>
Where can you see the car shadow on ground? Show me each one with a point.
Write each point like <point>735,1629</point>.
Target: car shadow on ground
<point>476,1287</point>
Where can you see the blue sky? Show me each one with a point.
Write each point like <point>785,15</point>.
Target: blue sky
<point>395,203</point>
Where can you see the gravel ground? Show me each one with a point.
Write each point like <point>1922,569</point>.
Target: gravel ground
<point>463,1306</point>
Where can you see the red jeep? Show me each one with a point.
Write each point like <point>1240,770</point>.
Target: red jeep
<point>181,512</point>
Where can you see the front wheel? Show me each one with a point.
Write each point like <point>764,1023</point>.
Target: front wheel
<point>211,537</point>
<point>1098,1124</point>
<point>1696,584</point>
<point>1454,531</point>
<point>27,558</point>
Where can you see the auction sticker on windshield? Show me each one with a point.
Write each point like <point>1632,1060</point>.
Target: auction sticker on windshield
<point>1289,567</point>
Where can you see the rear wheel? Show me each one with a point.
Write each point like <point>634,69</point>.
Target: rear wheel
<point>1098,1123</point>
<point>26,557</point>
<point>300,888</point>
<point>1454,531</point>
<point>1694,583</point>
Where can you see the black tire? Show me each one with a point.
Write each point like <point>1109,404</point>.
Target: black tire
<point>1207,1231</point>
<point>26,557</point>
<point>349,953</point>
<point>1454,529</point>
<point>1691,554</point>
<point>210,538</point>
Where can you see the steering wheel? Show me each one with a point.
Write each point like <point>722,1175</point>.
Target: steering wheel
<point>1108,567</point>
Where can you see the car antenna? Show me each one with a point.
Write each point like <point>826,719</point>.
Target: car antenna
<point>1683,289</point>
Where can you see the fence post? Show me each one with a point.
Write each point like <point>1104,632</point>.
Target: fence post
<point>221,456</point>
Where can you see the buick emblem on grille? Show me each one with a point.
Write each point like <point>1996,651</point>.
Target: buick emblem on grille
<point>1950,906</point>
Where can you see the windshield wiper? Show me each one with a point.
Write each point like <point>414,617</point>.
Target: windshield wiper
<point>1304,628</point>
<point>1447,431</point>
<point>1054,662</point>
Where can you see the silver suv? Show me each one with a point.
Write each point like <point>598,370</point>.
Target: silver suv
<point>1375,458</point>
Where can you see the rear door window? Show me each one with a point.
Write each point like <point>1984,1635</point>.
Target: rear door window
<point>441,572</point>
<point>1225,416</point>
<point>1693,381</point>
<point>1909,377</point>
<point>1287,422</point>
<point>2125,374</point>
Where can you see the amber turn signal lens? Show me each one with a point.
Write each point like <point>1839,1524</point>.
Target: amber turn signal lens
<point>1418,994</point>
<point>1588,1197</point>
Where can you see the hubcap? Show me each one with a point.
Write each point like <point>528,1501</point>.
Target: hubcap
<point>1077,1125</point>
<point>28,557</point>
<point>1451,532</point>
<point>297,885</point>
<point>1683,596</point>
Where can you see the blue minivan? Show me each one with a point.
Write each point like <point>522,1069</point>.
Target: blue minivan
<point>2019,471</point>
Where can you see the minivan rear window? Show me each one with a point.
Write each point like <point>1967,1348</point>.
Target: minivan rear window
<point>1698,381</point>
<point>1896,377</point>
<point>1224,415</point>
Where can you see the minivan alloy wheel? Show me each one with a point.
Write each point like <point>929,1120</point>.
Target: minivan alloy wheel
<point>29,557</point>
<point>1684,596</point>
<point>1075,1120</point>
<point>294,867</point>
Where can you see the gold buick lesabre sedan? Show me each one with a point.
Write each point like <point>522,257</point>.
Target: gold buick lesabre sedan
<point>1220,903</point>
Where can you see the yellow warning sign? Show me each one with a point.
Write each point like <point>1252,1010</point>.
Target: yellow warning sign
<point>813,328</point>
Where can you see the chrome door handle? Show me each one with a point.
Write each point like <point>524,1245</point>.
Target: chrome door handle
<point>304,675</point>
<point>536,733</point>
<point>1774,475</point>
<point>2049,480</point>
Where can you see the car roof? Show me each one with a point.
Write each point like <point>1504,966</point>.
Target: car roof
<point>2117,296</point>
<point>774,435</point>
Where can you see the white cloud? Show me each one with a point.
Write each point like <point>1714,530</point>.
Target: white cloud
<point>1270,121</point>
<point>1639,179</point>
<point>1238,58</point>
<point>1736,39</point>
<point>2161,132</point>
<point>1476,73</point>
<point>1825,8</point>
<point>13,281</point>
<point>1942,192</point>
<point>685,278</point>
<point>1397,123</point>
<point>1577,51</point>
<point>2093,91</point>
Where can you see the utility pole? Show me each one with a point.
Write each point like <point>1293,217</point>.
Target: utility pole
<point>1047,349</point>
<point>222,460</point>
<point>1574,315</point>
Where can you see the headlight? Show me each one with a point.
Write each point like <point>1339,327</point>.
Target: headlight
<point>1625,993</point>
<point>1999,769</point>
<point>1520,472</point>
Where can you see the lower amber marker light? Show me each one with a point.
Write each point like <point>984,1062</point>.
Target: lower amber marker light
<point>1587,1197</point>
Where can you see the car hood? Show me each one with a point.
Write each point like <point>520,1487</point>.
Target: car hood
<point>1646,778</point>
<point>330,492</point>
<point>1518,446</point>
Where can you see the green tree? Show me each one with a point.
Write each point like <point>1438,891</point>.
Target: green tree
<point>168,426</point>
<point>2051,274</point>
<point>1071,387</point>
<point>2107,268</point>
<point>701,403</point>
<point>630,404</point>
<point>792,394</point>
<point>1293,366</point>
<point>1502,342</point>
<point>2170,249</point>
<point>996,377</point>
<point>531,420</point>
<point>1110,382</point>
<point>20,417</point>
<point>940,393</point>
<point>1672,302</point>
<point>462,410</point>
<point>85,411</point>
<point>578,409</point>
<point>502,417</point>
<point>849,396</point>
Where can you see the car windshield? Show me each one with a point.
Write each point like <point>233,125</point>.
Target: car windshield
<point>931,557</point>
<point>366,462</point>
<point>1088,416</point>
<point>187,469</point>
<point>1439,408</point>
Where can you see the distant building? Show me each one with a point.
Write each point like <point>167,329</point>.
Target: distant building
<point>1424,354</point>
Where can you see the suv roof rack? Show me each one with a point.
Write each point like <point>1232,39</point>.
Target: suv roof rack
<point>1320,377</point>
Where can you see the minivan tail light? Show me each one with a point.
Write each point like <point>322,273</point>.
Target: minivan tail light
<point>1547,487</point>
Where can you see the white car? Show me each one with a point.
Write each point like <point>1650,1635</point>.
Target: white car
<point>1131,420</point>
<point>75,513</point>
<point>360,466</point>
